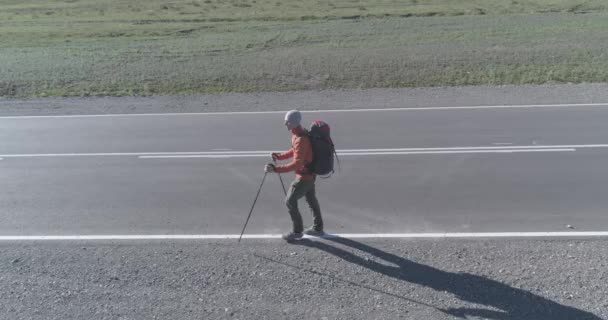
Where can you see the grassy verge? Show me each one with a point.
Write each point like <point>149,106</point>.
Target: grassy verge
<point>117,47</point>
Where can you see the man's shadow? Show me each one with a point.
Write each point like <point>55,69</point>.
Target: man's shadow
<point>515,303</point>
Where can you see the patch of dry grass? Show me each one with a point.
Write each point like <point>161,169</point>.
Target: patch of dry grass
<point>117,47</point>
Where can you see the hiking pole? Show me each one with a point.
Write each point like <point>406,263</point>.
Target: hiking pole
<point>282,184</point>
<point>281,179</point>
<point>253,205</point>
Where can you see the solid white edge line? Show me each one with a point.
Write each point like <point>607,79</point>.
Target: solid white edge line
<point>225,156</point>
<point>340,152</point>
<point>313,111</point>
<point>438,235</point>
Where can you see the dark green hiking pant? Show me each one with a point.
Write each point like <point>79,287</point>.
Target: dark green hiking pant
<point>299,189</point>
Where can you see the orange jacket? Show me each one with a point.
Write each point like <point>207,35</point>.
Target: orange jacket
<point>301,154</point>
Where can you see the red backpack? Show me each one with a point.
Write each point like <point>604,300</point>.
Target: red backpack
<point>323,149</point>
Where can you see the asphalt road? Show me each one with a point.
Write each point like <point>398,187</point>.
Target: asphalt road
<point>458,170</point>
<point>417,170</point>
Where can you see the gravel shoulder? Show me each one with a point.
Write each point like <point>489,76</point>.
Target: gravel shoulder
<point>311,100</point>
<point>315,279</point>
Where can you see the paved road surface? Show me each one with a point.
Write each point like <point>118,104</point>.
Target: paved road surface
<point>403,171</point>
<point>430,170</point>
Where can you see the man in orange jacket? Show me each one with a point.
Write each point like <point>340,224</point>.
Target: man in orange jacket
<point>304,184</point>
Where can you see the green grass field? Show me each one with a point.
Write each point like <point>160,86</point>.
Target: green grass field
<point>142,47</point>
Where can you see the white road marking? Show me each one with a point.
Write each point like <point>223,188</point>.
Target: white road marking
<point>438,235</point>
<point>254,155</point>
<point>570,105</point>
<point>207,156</point>
<point>576,146</point>
<point>267,153</point>
<point>456,152</point>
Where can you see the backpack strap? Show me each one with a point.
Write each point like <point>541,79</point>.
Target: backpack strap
<point>309,166</point>
<point>337,159</point>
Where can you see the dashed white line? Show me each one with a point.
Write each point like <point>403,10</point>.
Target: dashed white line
<point>206,156</point>
<point>445,108</point>
<point>340,152</point>
<point>437,235</point>
<point>576,146</point>
<point>456,152</point>
<point>367,153</point>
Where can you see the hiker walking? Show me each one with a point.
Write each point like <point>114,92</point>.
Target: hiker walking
<point>304,184</point>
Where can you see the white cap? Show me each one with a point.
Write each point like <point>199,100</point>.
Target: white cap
<point>293,119</point>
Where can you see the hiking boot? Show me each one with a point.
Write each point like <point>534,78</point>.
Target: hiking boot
<point>292,236</point>
<point>315,232</point>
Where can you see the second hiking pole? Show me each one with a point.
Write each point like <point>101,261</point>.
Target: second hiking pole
<point>253,205</point>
